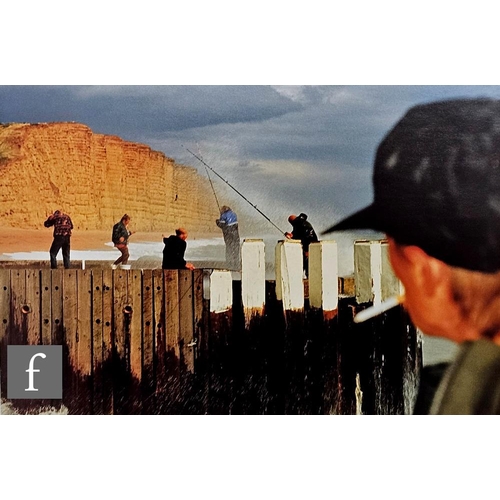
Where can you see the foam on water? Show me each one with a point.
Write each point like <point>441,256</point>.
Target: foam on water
<point>195,248</point>
<point>208,249</point>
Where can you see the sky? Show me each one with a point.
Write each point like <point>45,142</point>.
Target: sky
<point>286,148</point>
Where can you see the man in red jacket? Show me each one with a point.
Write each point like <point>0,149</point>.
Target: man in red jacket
<point>62,237</point>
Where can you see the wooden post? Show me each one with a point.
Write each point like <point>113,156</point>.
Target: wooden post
<point>324,277</point>
<point>290,291</point>
<point>221,303</point>
<point>382,342</point>
<point>289,275</point>
<point>368,271</point>
<point>250,346</point>
<point>411,336</point>
<point>253,278</point>
<point>322,345</point>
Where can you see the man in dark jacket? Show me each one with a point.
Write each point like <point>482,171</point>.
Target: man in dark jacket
<point>303,231</point>
<point>120,238</point>
<point>173,252</point>
<point>437,197</point>
<point>62,237</point>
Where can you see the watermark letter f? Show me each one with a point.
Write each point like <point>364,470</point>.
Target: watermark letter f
<point>31,370</point>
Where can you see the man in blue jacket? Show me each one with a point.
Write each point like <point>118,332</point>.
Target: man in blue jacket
<point>228,222</point>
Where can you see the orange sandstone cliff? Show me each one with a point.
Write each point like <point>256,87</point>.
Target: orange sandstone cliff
<point>96,178</point>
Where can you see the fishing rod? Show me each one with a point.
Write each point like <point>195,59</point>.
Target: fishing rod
<point>234,189</point>
<point>210,180</point>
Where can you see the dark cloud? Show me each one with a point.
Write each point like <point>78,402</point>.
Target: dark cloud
<point>151,111</point>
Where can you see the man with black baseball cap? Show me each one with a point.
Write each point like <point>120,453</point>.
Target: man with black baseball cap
<point>437,197</point>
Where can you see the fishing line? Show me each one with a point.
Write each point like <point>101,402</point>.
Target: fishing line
<point>234,189</point>
<point>210,180</point>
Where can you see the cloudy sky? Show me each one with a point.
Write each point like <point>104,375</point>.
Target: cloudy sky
<point>288,149</point>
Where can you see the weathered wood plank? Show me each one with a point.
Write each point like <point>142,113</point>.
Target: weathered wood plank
<point>5,325</point>
<point>107,341</point>
<point>121,321</point>
<point>70,349</point>
<point>148,338</point>
<point>97,343</point>
<point>121,318</point>
<point>84,341</point>
<point>5,293</point>
<point>136,370</point>
<point>18,333</point>
<point>172,321</point>
<point>135,286</point>
<point>46,307</point>
<point>201,316</point>
<point>85,324</point>
<point>160,341</point>
<point>57,327</point>
<point>33,303</point>
<point>186,320</point>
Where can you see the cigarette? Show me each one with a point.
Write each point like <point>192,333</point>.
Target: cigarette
<point>373,311</point>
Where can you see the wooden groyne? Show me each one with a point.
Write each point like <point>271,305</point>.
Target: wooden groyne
<point>200,342</point>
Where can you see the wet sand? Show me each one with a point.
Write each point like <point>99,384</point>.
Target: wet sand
<point>38,240</point>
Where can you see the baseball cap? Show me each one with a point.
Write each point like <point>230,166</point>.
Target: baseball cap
<point>436,183</point>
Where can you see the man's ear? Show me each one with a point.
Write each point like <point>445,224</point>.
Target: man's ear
<point>424,270</point>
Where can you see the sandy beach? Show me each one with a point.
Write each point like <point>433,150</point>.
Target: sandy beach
<point>38,240</point>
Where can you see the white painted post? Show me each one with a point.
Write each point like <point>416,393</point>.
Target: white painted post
<point>289,272</point>
<point>391,285</point>
<point>323,275</point>
<point>368,271</point>
<point>253,278</point>
<point>221,291</point>
<point>374,278</point>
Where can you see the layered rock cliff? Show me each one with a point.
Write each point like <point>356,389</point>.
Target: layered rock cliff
<point>96,178</point>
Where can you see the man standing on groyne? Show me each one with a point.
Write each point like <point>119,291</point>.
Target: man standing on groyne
<point>228,222</point>
<point>120,238</point>
<point>62,237</point>
<point>303,231</point>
